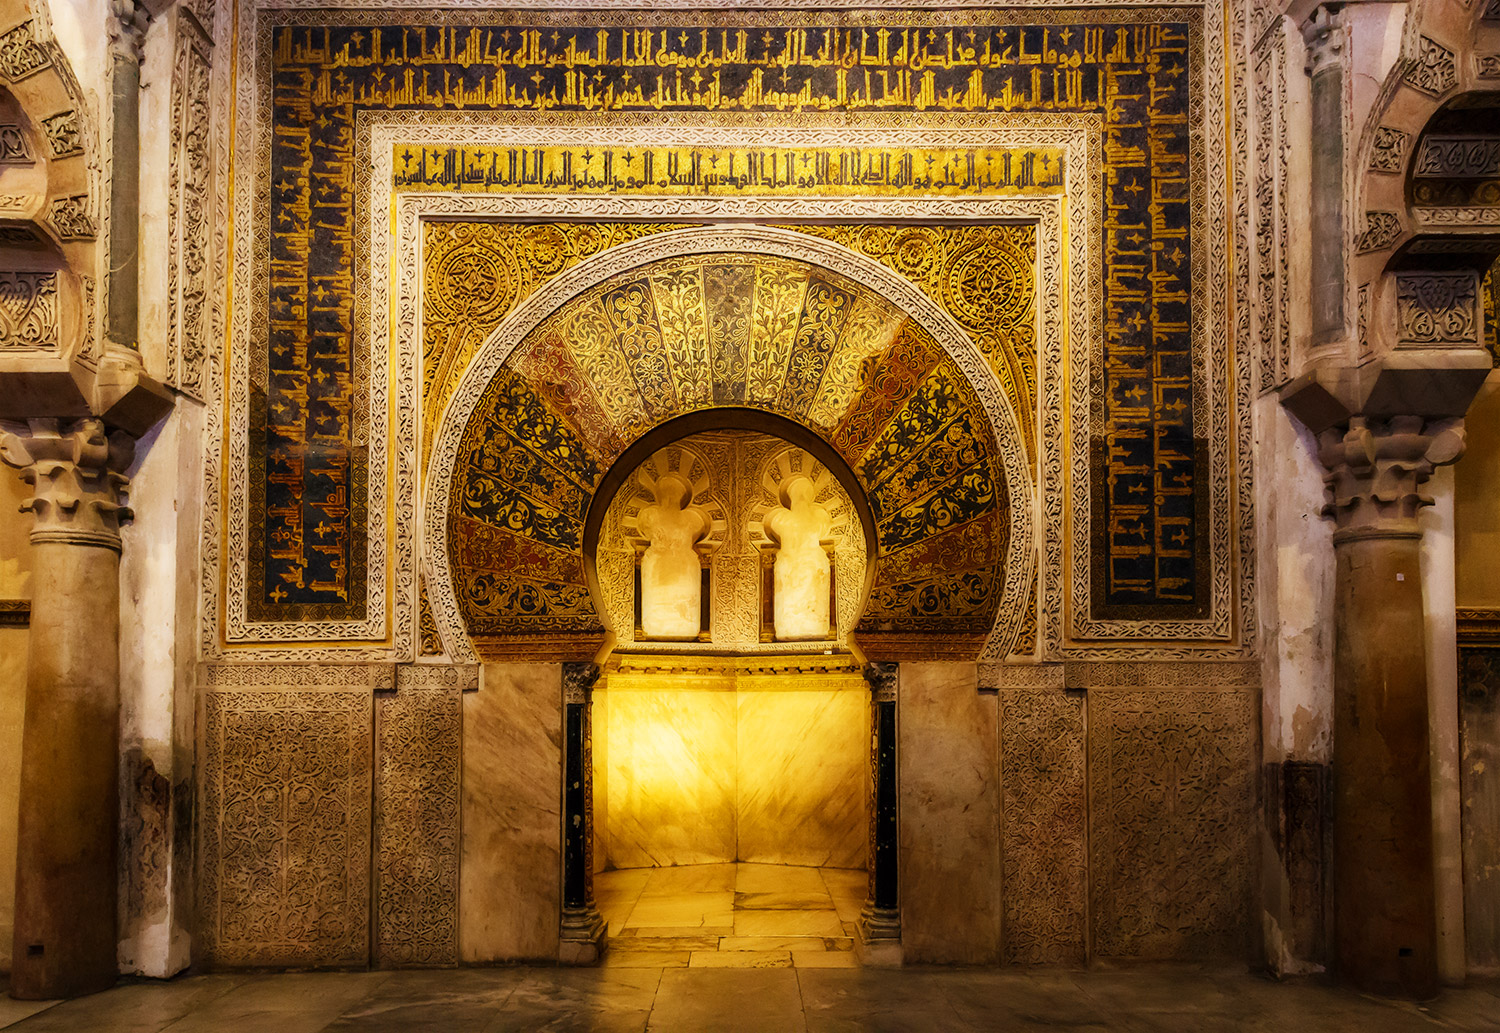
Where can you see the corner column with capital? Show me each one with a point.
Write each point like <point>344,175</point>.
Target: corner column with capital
<point>582,937</point>
<point>1384,895</point>
<point>66,882</point>
<point>1324,35</point>
<point>879,928</point>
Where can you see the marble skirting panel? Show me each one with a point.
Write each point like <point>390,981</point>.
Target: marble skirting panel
<point>285,819</point>
<point>510,881</point>
<point>1171,819</point>
<point>1043,840</point>
<point>418,732</point>
<point>669,777</point>
<point>698,768</point>
<point>804,749</point>
<point>949,816</point>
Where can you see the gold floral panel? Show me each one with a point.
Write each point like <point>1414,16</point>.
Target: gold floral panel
<point>746,331</point>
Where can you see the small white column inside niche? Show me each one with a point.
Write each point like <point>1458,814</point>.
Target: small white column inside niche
<point>671,584</point>
<point>803,572</point>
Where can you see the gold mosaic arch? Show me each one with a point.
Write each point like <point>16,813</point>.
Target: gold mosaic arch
<point>743,318</point>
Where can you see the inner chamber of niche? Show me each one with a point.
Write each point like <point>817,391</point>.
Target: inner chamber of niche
<point>731,724</point>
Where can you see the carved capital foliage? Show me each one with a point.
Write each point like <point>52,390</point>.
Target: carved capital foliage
<point>578,681</point>
<point>127,28</point>
<point>1376,469</point>
<point>882,679</point>
<point>1324,35</point>
<point>75,472</point>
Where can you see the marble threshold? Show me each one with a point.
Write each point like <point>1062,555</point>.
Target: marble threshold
<point>738,915</point>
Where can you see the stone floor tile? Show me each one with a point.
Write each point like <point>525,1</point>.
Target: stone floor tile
<point>134,1006</point>
<point>617,1001</point>
<point>14,1011</point>
<point>824,959</point>
<point>779,878</point>
<point>772,943</point>
<point>787,923</point>
<point>298,1002</point>
<point>696,878</point>
<point>741,959</point>
<point>877,1001</point>
<point>782,901</point>
<point>679,910</point>
<point>454,999</point>
<point>620,957</point>
<point>728,1001</point>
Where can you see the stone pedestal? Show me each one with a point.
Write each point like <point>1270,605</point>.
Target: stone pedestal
<point>1384,916</point>
<point>66,877</point>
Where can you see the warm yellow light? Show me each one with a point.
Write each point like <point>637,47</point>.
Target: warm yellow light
<point>703,767</point>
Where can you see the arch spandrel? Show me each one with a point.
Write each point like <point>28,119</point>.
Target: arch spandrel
<point>755,328</point>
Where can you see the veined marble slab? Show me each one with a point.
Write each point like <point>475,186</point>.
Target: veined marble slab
<point>950,816</point>
<point>510,883</point>
<point>701,767</point>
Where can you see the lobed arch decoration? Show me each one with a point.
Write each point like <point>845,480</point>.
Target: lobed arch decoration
<point>49,227</point>
<point>714,326</point>
<point>1428,193</point>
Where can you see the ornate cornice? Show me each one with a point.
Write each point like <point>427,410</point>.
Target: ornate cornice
<point>1478,626</point>
<point>1376,469</point>
<point>75,473</point>
<point>15,613</point>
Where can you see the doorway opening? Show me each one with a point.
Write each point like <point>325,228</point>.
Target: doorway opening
<point>731,809</point>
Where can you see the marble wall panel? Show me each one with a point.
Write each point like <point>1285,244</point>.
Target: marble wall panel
<point>285,872</point>
<point>510,882</point>
<point>418,743</point>
<point>1171,816</point>
<point>669,783</point>
<point>1043,852</point>
<point>949,854</point>
<point>803,784</point>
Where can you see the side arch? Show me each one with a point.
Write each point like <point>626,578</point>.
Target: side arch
<point>704,319</point>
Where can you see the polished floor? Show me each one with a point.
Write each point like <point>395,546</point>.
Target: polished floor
<point>1140,999</point>
<point>731,916</point>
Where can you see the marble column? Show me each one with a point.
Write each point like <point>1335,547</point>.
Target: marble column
<point>1324,35</point>
<point>879,940</point>
<point>65,916</point>
<point>582,936</point>
<point>1384,909</point>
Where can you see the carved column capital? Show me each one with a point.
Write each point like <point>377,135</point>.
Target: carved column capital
<point>75,473</point>
<point>1376,469</point>
<point>1323,33</point>
<point>127,28</point>
<point>578,681</point>
<point>882,679</point>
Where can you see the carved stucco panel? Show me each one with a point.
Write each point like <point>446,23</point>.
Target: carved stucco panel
<point>1042,842</point>
<point>285,877</point>
<point>418,735</point>
<point>1171,810</point>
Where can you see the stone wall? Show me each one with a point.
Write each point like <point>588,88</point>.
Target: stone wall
<point>1047,814</point>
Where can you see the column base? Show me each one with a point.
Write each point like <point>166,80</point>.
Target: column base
<point>877,942</point>
<point>582,939</point>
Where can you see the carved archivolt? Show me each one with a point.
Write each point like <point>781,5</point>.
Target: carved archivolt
<point>596,302</point>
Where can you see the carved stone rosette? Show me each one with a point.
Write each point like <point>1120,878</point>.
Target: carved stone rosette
<point>74,469</point>
<point>1376,469</point>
